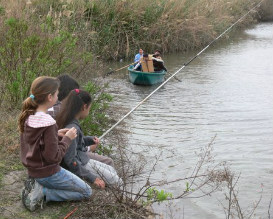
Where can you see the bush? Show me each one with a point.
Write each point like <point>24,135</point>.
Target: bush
<point>26,53</point>
<point>97,121</point>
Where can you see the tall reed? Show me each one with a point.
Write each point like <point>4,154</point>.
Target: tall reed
<point>114,29</point>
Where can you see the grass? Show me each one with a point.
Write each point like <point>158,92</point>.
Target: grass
<point>9,143</point>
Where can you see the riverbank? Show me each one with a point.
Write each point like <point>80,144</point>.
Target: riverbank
<point>266,11</point>
<point>108,203</point>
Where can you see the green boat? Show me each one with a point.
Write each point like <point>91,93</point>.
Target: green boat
<point>145,78</point>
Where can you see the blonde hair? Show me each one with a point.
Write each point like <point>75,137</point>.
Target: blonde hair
<point>40,88</point>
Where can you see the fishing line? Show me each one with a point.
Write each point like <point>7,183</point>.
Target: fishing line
<point>187,63</point>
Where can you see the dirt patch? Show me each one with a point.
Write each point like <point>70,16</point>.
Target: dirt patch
<point>10,194</point>
<point>11,203</point>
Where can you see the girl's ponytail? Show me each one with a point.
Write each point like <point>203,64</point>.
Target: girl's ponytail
<point>40,88</point>
<point>29,108</point>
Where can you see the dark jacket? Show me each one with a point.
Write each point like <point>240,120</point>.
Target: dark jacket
<point>41,148</point>
<point>158,65</point>
<point>76,156</point>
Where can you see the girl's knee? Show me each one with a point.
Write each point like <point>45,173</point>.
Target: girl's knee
<point>87,192</point>
<point>115,181</point>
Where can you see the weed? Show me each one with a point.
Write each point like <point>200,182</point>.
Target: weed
<point>188,188</point>
<point>154,195</point>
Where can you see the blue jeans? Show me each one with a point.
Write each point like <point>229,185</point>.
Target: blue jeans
<point>64,186</point>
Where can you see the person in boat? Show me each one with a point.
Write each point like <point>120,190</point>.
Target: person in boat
<point>158,63</point>
<point>158,53</point>
<point>137,59</point>
<point>139,55</point>
<point>138,65</point>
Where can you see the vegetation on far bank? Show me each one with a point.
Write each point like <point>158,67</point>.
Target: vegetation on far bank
<point>113,29</point>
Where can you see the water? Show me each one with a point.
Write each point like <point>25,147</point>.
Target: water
<point>227,91</point>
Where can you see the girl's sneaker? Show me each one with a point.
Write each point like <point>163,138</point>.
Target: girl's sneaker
<point>34,197</point>
<point>28,186</point>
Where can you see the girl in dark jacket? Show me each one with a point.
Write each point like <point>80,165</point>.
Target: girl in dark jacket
<point>77,105</point>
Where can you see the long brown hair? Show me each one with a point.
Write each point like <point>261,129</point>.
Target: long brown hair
<point>67,84</point>
<point>71,106</point>
<point>40,88</point>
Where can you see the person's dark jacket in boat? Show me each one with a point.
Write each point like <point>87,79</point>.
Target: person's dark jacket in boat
<point>158,63</point>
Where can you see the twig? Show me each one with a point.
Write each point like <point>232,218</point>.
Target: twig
<point>255,207</point>
<point>69,214</point>
<point>229,199</point>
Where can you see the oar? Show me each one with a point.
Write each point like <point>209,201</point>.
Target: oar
<point>111,72</point>
<point>174,77</point>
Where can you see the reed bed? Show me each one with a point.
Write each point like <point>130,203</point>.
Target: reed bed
<point>114,29</point>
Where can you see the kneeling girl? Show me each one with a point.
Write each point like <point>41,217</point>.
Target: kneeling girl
<point>77,106</point>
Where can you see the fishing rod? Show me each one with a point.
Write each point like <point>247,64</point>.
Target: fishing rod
<point>185,64</point>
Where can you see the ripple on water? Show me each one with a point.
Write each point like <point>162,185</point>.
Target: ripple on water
<point>227,91</point>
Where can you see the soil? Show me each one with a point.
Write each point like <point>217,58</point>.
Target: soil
<point>10,192</point>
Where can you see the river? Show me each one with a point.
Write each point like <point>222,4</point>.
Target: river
<point>228,92</point>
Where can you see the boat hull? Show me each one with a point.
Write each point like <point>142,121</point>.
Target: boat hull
<point>145,78</point>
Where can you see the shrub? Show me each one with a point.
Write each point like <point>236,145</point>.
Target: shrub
<point>27,53</point>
